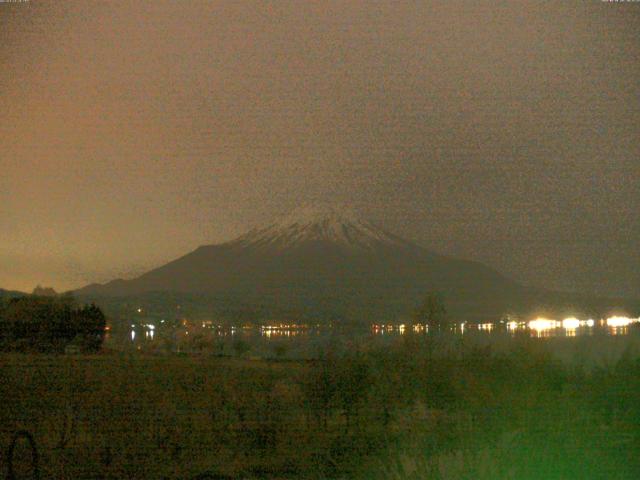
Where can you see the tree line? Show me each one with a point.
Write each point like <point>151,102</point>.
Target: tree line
<point>34,323</point>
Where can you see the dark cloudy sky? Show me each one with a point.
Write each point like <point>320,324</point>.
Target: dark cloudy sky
<point>133,132</point>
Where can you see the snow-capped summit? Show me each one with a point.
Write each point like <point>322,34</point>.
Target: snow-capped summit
<point>337,225</point>
<point>323,264</point>
<point>308,214</point>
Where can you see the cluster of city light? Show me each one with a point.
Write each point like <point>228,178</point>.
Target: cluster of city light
<point>149,330</point>
<point>283,326</point>
<point>282,330</point>
<point>540,324</point>
<point>571,323</point>
<point>208,324</point>
<point>402,328</point>
<point>383,328</point>
<point>513,325</point>
<point>618,322</point>
<point>280,333</point>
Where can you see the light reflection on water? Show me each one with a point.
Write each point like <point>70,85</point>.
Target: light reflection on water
<point>148,334</point>
<point>538,327</point>
<point>280,332</point>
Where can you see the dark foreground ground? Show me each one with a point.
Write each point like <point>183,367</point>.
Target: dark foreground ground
<point>410,410</point>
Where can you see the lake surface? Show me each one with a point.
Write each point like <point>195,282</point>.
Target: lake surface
<point>603,340</point>
<point>538,327</point>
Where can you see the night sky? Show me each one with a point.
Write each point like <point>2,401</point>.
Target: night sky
<point>132,132</point>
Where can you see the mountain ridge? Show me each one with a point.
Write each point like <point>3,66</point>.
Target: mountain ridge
<point>329,263</point>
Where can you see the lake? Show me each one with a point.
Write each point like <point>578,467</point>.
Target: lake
<point>603,339</point>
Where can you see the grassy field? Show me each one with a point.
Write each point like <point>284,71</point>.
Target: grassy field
<point>396,412</point>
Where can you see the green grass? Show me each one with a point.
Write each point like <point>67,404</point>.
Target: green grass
<point>395,412</point>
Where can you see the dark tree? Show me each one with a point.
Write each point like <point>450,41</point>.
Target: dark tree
<point>432,312</point>
<point>90,323</point>
<point>49,323</point>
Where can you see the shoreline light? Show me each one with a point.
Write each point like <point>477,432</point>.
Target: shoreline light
<point>617,321</point>
<point>570,323</point>
<point>543,324</point>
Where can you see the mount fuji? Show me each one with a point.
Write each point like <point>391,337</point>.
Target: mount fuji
<point>341,228</point>
<point>327,264</point>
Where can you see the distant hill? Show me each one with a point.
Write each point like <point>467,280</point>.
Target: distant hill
<point>328,264</point>
<point>11,293</point>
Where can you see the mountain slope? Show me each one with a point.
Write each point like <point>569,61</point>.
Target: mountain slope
<point>326,264</point>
